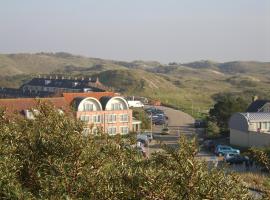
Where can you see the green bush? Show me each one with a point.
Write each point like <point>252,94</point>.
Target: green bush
<point>49,158</point>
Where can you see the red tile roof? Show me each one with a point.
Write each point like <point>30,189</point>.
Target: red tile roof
<point>20,104</point>
<point>70,96</point>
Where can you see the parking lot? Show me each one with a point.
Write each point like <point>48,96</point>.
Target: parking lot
<point>180,123</point>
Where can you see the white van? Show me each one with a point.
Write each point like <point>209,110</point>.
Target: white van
<point>135,104</point>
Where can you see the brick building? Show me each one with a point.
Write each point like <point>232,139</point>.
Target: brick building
<point>101,111</point>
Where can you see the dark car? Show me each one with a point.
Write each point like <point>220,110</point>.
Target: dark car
<point>159,122</point>
<point>200,124</point>
<point>237,159</point>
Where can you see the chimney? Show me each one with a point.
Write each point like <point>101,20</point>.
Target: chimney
<point>254,98</point>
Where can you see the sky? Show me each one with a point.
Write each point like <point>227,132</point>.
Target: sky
<point>161,30</point>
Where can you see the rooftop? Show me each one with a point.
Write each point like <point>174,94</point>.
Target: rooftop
<point>74,83</point>
<point>256,105</point>
<point>257,116</point>
<point>20,104</point>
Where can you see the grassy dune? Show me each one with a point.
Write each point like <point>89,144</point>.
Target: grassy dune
<point>179,85</point>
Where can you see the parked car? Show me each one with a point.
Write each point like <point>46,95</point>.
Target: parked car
<point>135,104</point>
<point>158,120</point>
<point>165,131</point>
<point>149,135</point>
<point>143,139</point>
<point>227,156</point>
<point>221,150</point>
<point>154,111</point>
<point>237,159</point>
<point>200,123</point>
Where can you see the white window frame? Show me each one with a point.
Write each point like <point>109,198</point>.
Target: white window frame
<point>122,118</point>
<point>88,106</point>
<point>121,130</point>
<point>94,117</point>
<point>110,128</point>
<point>85,118</point>
<point>117,106</point>
<point>110,118</point>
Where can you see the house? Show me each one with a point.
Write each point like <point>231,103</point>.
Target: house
<point>24,106</point>
<point>59,85</point>
<point>250,129</point>
<point>101,111</point>
<point>259,105</point>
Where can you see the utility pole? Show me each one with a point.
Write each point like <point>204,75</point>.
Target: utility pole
<point>151,123</point>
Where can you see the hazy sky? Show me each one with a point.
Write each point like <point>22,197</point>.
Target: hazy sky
<point>162,30</point>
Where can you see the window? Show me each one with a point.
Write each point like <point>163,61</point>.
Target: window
<point>88,107</point>
<point>111,130</point>
<point>111,118</point>
<point>85,118</point>
<point>116,106</point>
<point>264,125</point>
<point>124,130</point>
<point>124,118</point>
<point>96,118</point>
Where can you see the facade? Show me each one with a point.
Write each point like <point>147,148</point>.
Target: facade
<point>59,85</point>
<point>109,114</point>
<point>100,111</point>
<point>250,129</point>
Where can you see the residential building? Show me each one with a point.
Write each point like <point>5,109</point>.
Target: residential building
<point>53,86</point>
<point>59,85</point>
<point>259,105</point>
<point>250,129</point>
<point>101,111</point>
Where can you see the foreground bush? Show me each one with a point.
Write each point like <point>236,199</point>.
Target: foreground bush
<point>49,158</point>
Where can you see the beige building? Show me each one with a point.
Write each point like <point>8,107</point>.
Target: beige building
<point>250,129</point>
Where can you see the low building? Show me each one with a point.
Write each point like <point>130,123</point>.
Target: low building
<point>250,129</point>
<point>59,85</point>
<point>259,105</point>
<point>101,111</point>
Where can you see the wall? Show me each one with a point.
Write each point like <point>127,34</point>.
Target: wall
<point>104,124</point>
<point>249,139</point>
<point>239,138</point>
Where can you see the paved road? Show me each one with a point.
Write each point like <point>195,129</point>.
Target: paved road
<point>179,122</point>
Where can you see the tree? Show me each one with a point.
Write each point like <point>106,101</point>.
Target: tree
<point>50,158</point>
<point>225,106</point>
<point>213,129</point>
<point>141,115</point>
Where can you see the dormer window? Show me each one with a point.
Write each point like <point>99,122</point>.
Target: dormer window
<point>47,82</point>
<point>88,107</point>
<point>74,84</point>
<point>117,106</point>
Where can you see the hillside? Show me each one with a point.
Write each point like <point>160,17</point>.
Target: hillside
<point>177,84</point>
